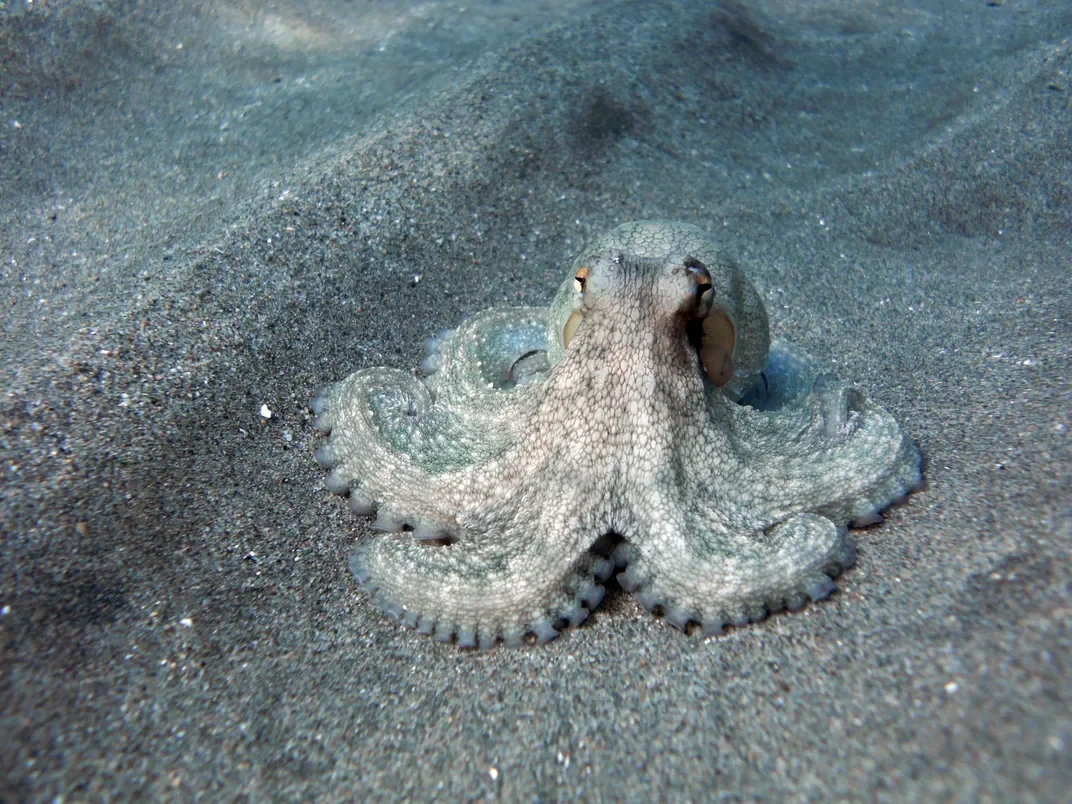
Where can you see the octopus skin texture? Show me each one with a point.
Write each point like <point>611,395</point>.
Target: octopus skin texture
<point>644,422</point>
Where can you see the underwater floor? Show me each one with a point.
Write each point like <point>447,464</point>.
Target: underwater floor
<point>211,210</point>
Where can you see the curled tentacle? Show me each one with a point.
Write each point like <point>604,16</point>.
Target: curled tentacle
<point>830,449</point>
<point>731,578</point>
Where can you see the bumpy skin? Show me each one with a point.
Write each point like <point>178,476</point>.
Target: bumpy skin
<point>497,478</point>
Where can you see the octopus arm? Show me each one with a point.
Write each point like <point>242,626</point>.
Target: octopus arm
<point>486,358</point>
<point>824,448</point>
<point>394,452</point>
<point>382,420</point>
<point>697,571</point>
<point>515,570</point>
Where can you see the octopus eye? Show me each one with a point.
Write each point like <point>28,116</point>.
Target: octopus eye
<point>580,278</point>
<point>701,277</point>
<point>716,347</point>
<point>570,329</point>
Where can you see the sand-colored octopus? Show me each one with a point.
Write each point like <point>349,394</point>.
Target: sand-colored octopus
<point>644,421</point>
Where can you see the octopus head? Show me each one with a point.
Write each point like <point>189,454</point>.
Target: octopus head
<point>651,278</point>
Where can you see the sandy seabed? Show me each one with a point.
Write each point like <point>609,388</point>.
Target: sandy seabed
<point>212,209</point>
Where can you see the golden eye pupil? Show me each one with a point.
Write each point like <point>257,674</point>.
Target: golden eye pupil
<point>579,279</point>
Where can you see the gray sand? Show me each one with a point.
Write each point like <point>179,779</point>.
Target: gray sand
<point>191,233</point>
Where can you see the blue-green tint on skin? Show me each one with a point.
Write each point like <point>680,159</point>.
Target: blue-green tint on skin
<point>495,480</point>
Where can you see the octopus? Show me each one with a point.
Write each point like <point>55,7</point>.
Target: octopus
<point>644,423</point>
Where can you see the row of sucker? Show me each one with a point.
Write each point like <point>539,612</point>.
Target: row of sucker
<point>586,597</point>
<point>812,589</point>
